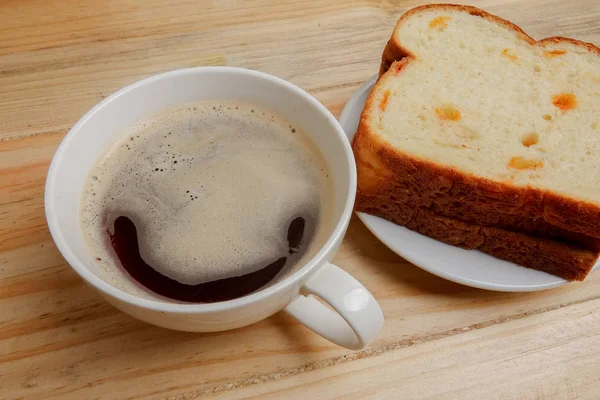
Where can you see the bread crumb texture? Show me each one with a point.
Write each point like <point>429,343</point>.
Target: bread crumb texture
<point>521,163</point>
<point>477,93</point>
<point>448,113</point>
<point>384,100</point>
<point>439,22</point>
<point>509,54</point>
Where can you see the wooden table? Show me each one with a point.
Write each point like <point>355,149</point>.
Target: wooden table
<point>59,339</point>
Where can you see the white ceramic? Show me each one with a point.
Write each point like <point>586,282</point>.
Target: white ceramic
<point>357,318</point>
<point>469,267</point>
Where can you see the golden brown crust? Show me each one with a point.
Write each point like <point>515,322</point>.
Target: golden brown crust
<point>405,188</point>
<point>568,261</point>
<point>565,260</point>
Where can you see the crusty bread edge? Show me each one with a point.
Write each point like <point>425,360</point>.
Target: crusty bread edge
<point>394,51</point>
<point>559,210</point>
<point>565,260</point>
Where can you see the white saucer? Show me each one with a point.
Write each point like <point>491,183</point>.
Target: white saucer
<point>468,267</point>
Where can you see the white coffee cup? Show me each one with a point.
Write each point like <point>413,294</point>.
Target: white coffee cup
<point>357,318</point>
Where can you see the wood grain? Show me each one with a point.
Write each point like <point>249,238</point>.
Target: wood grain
<point>59,339</point>
<point>545,356</point>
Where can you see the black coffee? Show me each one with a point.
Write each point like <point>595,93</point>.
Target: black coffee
<point>125,243</point>
<point>205,203</point>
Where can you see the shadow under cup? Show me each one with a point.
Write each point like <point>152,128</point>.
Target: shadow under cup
<point>102,125</point>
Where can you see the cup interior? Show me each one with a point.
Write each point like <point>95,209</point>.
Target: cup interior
<point>103,124</point>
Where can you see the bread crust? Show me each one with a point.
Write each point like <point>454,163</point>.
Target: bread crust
<point>568,261</point>
<point>394,51</point>
<point>405,188</point>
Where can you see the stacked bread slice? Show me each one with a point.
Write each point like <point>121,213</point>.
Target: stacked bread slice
<point>479,136</point>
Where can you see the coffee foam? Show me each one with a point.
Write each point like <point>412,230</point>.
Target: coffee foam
<point>211,188</point>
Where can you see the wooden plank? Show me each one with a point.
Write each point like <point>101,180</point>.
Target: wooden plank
<point>59,339</point>
<point>58,335</point>
<point>48,88</point>
<point>542,356</point>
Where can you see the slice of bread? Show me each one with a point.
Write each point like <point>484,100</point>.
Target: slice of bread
<point>566,260</point>
<point>474,121</point>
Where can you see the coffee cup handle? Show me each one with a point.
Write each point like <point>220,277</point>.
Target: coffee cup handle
<point>356,317</point>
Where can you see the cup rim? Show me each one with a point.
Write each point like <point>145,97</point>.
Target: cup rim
<point>114,292</point>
